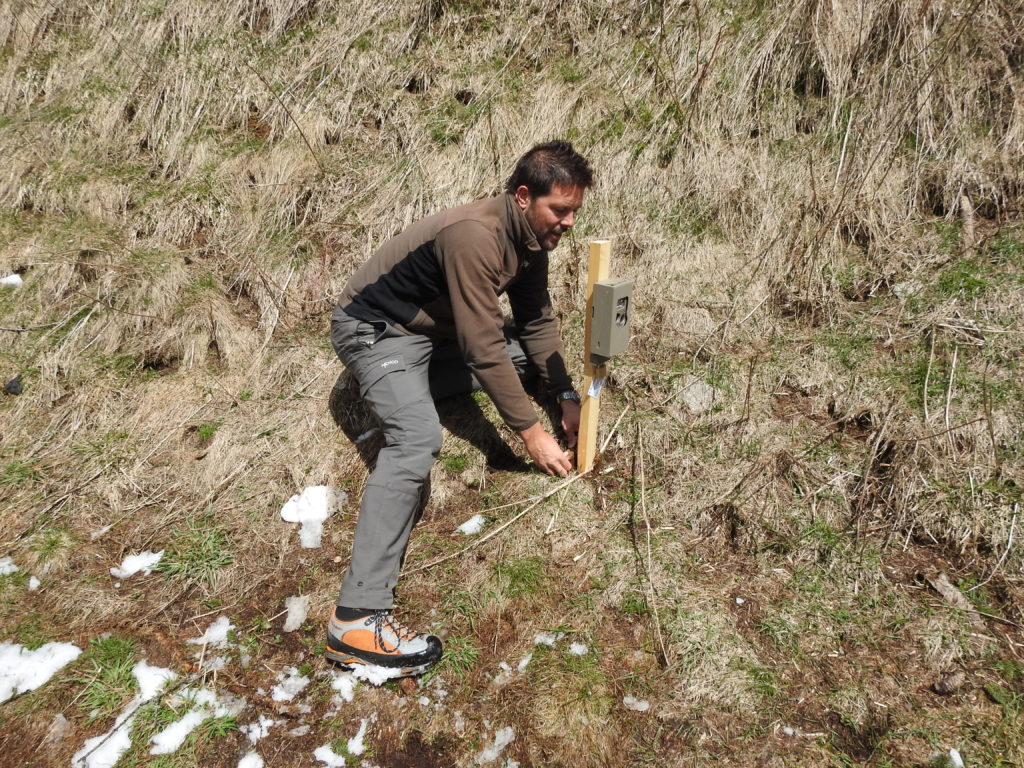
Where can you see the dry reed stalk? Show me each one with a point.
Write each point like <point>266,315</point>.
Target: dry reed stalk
<point>652,594</point>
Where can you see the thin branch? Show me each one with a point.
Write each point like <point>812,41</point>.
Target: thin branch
<point>30,327</point>
<point>648,564</point>
<point>496,531</point>
<point>1009,545</point>
<point>949,396</point>
<point>288,112</point>
<point>615,426</point>
<point>927,375</point>
<point>108,305</point>
<point>937,434</point>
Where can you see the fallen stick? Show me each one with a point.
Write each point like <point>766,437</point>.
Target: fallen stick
<point>499,529</point>
<point>534,499</point>
<point>650,557</point>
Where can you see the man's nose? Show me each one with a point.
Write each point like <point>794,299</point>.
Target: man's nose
<point>568,220</point>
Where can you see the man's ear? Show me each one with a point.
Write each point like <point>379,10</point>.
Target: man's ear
<point>523,196</point>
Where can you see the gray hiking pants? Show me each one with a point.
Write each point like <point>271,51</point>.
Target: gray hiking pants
<point>396,379</point>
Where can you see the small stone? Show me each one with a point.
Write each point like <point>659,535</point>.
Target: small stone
<point>698,397</point>
<point>337,559</point>
<point>13,387</point>
<point>949,684</point>
<point>906,289</point>
<point>636,705</point>
<point>58,729</point>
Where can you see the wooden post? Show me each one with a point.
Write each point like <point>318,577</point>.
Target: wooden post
<point>593,375</point>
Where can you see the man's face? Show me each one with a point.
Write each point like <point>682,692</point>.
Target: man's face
<point>552,214</point>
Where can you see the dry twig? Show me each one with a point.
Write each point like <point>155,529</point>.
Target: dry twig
<point>652,595</point>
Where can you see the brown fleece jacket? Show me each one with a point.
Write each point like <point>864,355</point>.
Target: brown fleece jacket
<point>442,277</point>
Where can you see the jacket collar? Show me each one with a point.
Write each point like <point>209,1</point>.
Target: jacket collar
<point>519,229</point>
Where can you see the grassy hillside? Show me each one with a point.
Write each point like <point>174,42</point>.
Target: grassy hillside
<point>820,204</point>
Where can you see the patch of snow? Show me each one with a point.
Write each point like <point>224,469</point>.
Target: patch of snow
<point>548,638</point>
<point>502,739</point>
<point>216,635</point>
<point>144,561</point>
<point>22,670</point>
<point>740,601</point>
<point>955,761</point>
<point>789,731</point>
<point>298,609</point>
<point>524,661</point>
<point>174,735</point>
<point>314,505</point>
<point>7,566</point>
<point>327,756</point>
<point>250,760</point>
<point>151,679</point>
<point>302,730</point>
<point>578,649</point>
<point>12,281</point>
<point>344,683</point>
<point>100,531</point>
<point>375,675</point>
<point>213,663</point>
<point>356,745</point>
<point>33,583</point>
<point>424,701</point>
<point>204,704</point>
<point>105,750</point>
<point>635,704</point>
<point>475,524</point>
<point>289,687</point>
<point>504,676</point>
<point>258,730</point>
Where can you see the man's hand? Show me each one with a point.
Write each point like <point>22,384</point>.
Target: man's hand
<point>544,451</point>
<point>570,421</point>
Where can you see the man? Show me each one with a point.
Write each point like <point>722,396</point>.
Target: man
<point>435,284</point>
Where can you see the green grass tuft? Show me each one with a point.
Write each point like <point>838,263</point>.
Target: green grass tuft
<point>197,551</point>
<point>107,677</point>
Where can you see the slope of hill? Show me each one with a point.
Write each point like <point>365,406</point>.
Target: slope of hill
<point>817,562</point>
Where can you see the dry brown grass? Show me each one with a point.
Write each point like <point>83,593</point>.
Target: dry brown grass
<point>820,206</point>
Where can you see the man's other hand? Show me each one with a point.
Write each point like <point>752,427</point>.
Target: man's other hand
<point>545,451</point>
<point>570,421</point>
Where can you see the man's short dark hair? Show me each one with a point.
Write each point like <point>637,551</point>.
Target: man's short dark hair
<point>548,164</point>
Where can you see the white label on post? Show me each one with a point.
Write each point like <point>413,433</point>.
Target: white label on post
<point>595,388</point>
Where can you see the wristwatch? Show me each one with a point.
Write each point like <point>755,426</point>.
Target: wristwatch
<point>568,394</point>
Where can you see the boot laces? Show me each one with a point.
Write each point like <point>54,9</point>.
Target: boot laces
<point>382,619</point>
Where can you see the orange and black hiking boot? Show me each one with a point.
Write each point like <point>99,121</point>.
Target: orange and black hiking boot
<point>378,639</point>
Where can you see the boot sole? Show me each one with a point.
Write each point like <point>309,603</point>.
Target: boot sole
<point>350,661</point>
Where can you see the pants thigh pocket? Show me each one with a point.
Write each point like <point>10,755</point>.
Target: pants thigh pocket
<point>387,384</point>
